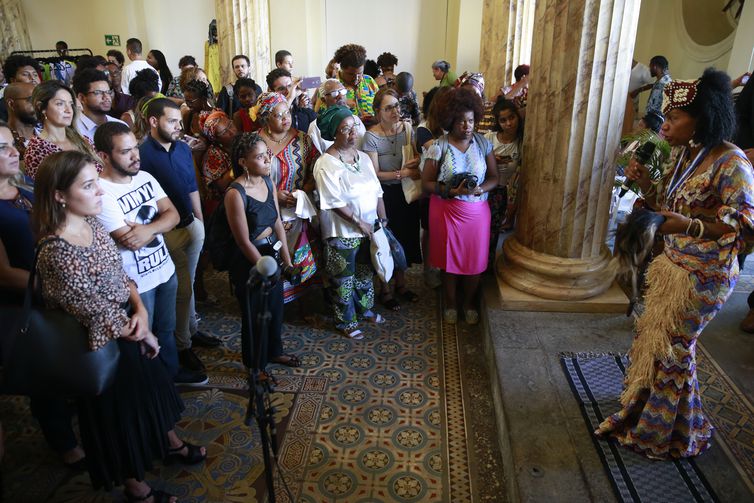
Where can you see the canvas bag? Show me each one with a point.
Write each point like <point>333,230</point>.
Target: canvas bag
<point>412,189</point>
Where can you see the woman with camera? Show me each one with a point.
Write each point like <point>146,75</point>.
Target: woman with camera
<point>459,170</point>
<point>251,205</point>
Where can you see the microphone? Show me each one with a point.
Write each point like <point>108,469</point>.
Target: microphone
<point>264,272</point>
<point>642,156</point>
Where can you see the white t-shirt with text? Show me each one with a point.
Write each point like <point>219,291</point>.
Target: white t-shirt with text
<point>151,265</point>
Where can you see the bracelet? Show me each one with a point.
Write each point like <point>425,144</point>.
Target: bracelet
<point>691,222</point>
<point>701,228</point>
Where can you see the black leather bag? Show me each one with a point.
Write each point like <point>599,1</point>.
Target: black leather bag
<point>46,351</point>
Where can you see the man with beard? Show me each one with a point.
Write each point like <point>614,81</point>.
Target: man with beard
<point>18,68</point>
<point>137,212</point>
<point>21,117</point>
<point>226,99</point>
<point>93,91</point>
<point>330,93</point>
<point>169,160</point>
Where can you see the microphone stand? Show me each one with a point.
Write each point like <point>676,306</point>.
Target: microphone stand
<point>260,383</point>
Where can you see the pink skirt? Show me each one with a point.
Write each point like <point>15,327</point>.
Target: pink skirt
<point>459,235</point>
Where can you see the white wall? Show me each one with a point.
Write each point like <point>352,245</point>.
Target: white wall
<point>176,27</point>
<point>413,30</point>
<point>742,46</point>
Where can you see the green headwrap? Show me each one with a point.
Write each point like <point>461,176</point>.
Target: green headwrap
<point>329,120</point>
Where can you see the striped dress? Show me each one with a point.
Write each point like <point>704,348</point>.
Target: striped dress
<point>687,285</point>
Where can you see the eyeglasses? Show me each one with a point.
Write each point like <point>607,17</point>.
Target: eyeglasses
<point>101,94</point>
<point>392,108</point>
<point>347,130</point>
<point>281,115</point>
<point>337,92</point>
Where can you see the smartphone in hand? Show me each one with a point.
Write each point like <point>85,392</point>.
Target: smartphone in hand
<point>310,82</point>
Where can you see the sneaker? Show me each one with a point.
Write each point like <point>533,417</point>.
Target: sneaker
<point>204,340</point>
<point>188,377</point>
<point>188,359</point>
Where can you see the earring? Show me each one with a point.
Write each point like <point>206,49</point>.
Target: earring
<point>693,144</point>
<point>63,204</point>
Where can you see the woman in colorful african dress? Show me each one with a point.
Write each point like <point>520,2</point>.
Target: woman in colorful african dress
<point>707,197</point>
<point>216,129</point>
<point>350,197</point>
<point>293,156</point>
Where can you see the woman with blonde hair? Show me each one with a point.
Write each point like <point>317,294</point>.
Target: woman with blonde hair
<point>55,107</point>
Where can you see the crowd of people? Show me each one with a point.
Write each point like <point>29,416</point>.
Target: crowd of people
<point>120,176</point>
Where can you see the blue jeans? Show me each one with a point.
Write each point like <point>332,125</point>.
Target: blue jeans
<point>160,304</point>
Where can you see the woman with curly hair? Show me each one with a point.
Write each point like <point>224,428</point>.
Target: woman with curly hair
<point>218,131</point>
<point>55,107</point>
<point>360,88</point>
<point>507,139</point>
<point>145,84</point>
<point>459,171</point>
<point>174,87</point>
<point>707,198</point>
<point>292,163</point>
<point>387,63</point>
<point>254,217</point>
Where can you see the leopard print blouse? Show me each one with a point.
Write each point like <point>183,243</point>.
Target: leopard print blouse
<point>86,281</point>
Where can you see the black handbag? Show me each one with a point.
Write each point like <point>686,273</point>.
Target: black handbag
<point>46,351</point>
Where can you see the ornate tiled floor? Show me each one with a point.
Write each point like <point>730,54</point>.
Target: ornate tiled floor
<point>377,420</point>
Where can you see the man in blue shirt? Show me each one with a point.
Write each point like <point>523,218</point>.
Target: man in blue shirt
<point>169,160</point>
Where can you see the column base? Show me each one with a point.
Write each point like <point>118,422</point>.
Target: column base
<point>554,278</point>
<point>613,300</point>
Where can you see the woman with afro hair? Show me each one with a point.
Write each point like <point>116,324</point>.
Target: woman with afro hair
<point>459,172</point>
<point>707,198</point>
<point>360,88</point>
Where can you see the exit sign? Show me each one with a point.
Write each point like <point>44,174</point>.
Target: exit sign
<point>113,40</point>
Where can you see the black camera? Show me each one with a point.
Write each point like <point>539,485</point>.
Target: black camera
<point>468,180</point>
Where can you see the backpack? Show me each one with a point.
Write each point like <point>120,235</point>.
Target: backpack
<point>219,243</point>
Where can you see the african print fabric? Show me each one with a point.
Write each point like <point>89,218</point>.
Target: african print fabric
<point>662,414</point>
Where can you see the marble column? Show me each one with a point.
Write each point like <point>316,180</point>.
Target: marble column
<point>14,33</point>
<point>581,61</point>
<point>506,39</point>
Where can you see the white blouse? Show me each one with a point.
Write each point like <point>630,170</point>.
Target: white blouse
<point>342,185</point>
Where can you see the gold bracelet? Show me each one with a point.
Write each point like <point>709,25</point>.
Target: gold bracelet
<point>688,227</point>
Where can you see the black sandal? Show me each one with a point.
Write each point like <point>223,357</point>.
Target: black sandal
<point>156,495</point>
<point>407,294</point>
<point>192,457</point>
<point>292,361</point>
<point>390,303</point>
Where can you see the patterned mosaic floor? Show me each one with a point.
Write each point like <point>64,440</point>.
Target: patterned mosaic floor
<point>378,420</point>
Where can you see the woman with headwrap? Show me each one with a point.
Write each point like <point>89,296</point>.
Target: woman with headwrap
<point>351,204</point>
<point>706,195</point>
<point>218,131</point>
<point>293,156</point>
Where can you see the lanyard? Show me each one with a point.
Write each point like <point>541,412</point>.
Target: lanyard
<point>676,181</point>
